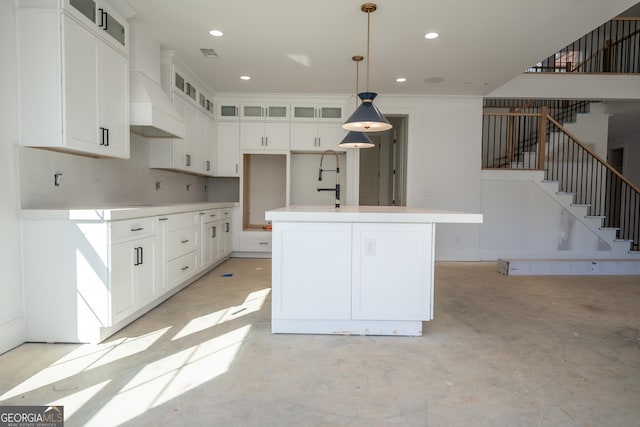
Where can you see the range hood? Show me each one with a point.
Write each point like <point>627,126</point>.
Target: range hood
<point>150,111</point>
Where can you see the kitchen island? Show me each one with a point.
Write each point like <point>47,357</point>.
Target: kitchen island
<point>361,270</point>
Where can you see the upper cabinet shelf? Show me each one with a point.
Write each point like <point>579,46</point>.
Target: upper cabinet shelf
<point>318,112</point>
<point>264,111</point>
<point>102,19</point>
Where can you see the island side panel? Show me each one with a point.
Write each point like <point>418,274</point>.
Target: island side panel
<point>311,276</point>
<point>392,271</point>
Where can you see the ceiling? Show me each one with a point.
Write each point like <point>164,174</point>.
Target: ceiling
<point>303,46</point>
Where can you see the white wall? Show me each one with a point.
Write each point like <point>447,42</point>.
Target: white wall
<point>12,325</point>
<point>521,221</point>
<point>304,179</point>
<point>443,164</point>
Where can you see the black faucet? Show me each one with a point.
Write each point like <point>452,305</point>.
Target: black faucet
<point>336,170</point>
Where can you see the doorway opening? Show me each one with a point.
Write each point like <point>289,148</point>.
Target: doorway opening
<point>383,168</point>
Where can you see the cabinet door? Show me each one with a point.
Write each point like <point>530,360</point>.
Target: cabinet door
<point>190,139</point>
<point>227,149</point>
<point>82,51</point>
<point>226,233</point>
<point>330,135</point>
<point>208,148</point>
<point>114,103</point>
<point>252,136</point>
<point>211,241</point>
<point>304,136</point>
<point>392,273</point>
<point>145,273</point>
<point>311,281</point>
<point>277,136</point>
<point>227,111</point>
<point>125,258</point>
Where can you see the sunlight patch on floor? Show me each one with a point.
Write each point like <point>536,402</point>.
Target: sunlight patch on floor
<point>253,302</point>
<point>83,358</point>
<point>74,402</point>
<point>172,376</point>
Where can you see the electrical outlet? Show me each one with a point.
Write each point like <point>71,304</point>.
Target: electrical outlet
<point>370,247</point>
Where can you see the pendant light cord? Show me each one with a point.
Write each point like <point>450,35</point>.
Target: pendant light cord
<point>368,42</point>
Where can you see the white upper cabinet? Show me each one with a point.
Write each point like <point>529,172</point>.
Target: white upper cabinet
<point>264,111</point>
<point>100,17</point>
<point>264,136</point>
<point>316,136</point>
<point>227,152</point>
<point>79,101</point>
<point>227,110</point>
<point>318,112</point>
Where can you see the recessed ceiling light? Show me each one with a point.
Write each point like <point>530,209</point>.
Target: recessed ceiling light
<point>245,78</point>
<point>216,33</point>
<point>401,79</point>
<point>431,35</point>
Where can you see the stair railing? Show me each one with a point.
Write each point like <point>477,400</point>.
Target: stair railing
<point>566,159</point>
<point>613,47</point>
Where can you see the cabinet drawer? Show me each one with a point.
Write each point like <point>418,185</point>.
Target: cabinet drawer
<point>179,221</point>
<point>180,269</point>
<point>225,213</point>
<point>180,242</point>
<point>255,244</point>
<point>132,228</point>
<point>211,215</point>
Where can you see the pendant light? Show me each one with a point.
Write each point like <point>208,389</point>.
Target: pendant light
<point>367,118</point>
<point>355,139</point>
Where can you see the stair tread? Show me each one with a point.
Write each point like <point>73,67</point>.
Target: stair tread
<point>610,228</point>
<point>571,193</point>
<point>595,216</point>
<point>581,205</point>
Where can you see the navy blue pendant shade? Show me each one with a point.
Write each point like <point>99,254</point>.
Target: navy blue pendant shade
<point>367,117</point>
<point>356,140</point>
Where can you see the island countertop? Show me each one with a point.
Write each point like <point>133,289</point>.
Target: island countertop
<point>394,214</point>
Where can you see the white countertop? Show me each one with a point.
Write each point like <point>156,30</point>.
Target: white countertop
<point>396,214</point>
<point>115,213</point>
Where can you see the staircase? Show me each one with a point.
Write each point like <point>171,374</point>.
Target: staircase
<point>574,175</point>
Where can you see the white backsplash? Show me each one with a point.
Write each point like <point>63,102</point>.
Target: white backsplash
<point>89,182</point>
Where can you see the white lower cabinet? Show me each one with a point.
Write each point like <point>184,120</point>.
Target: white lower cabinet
<point>133,276</point>
<point>83,278</point>
<point>180,233</point>
<point>86,279</point>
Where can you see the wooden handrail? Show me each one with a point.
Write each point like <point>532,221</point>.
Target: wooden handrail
<point>598,158</point>
<point>504,113</point>
<point>602,49</point>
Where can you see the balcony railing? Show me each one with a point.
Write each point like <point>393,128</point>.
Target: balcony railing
<point>535,140</point>
<point>614,47</point>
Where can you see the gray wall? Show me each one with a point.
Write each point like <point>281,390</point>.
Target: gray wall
<point>93,182</point>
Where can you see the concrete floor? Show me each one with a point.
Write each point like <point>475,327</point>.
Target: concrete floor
<point>501,351</point>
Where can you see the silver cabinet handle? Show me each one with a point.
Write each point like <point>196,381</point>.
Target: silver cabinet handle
<point>137,229</point>
<point>186,267</point>
<point>184,241</point>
